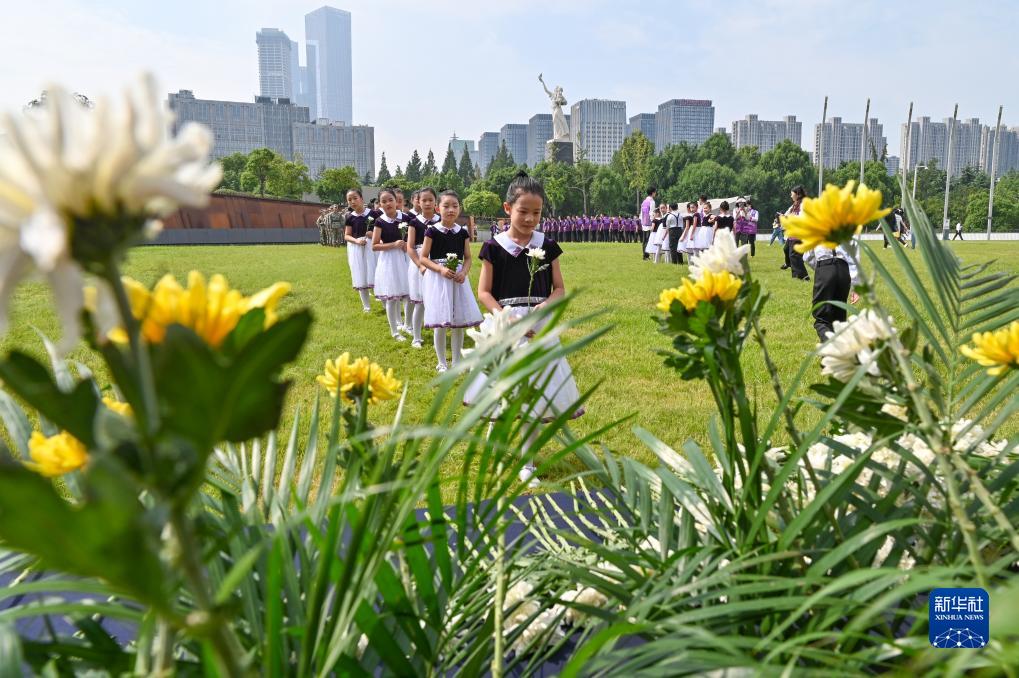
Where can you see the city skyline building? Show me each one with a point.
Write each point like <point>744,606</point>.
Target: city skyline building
<point>925,142</point>
<point>281,125</point>
<point>275,63</point>
<point>458,145</point>
<point>679,120</point>
<point>597,129</point>
<point>643,123</point>
<point>514,135</point>
<point>766,134</point>
<point>539,133</point>
<point>488,146</point>
<point>842,142</point>
<point>328,31</point>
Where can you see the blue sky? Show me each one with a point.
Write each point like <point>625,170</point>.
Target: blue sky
<point>424,69</point>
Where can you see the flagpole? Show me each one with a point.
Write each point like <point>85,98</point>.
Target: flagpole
<point>863,140</point>
<point>820,149</point>
<point>948,172</point>
<point>994,166</point>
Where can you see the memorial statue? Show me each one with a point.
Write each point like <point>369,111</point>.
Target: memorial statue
<point>560,128</point>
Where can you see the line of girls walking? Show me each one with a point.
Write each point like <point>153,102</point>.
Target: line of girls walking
<point>675,232</point>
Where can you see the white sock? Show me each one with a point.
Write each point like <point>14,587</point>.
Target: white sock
<point>456,342</point>
<point>406,312</point>
<point>439,339</point>
<point>418,311</point>
<point>393,315</point>
<point>365,299</point>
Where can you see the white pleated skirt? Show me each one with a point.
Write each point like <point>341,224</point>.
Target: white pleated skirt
<point>361,260</point>
<point>703,237</point>
<point>449,303</point>
<point>654,242</point>
<point>391,275</point>
<point>560,392</point>
<point>414,281</point>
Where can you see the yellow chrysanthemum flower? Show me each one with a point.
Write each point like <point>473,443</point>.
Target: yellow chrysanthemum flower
<point>997,351</point>
<point>710,287</point>
<point>123,409</point>
<point>835,217</point>
<point>55,455</point>
<point>350,379</point>
<point>211,309</point>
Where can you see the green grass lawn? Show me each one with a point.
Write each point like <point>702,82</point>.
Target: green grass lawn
<point>605,277</point>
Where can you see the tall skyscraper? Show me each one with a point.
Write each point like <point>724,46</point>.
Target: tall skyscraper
<point>597,128</point>
<point>488,146</point>
<point>689,120</point>
<point>1006,158</point>
<point>275,63</point>
<point>328,30</point>
<point>539,132</point>
<point>643,123</point>
<point>842,142</point>
<point>309,84</point>
<point>765,134</point>
<point>515,137</point>
<point>458,145</point>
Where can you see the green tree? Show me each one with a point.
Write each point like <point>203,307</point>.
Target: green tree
<point>288,179</point>
<point>466,170</point>
<point>399,173</point>
<point>706,176</point>
<point>747,157</point>
<point>233,167</point>
<point>792,165</point>
<point>260,166</point>
<point>482,204</point>
<point>555,177</point>
<point>367,179</point>
<point>633,161</point>
<point>718,148</point>
<point>609,193</point>
<point>384,176</point>
<point>875,175</point>
<point>451,181</point>
<point>413,172</point>
<point>449,163</point>
<point>498,180</point>
<point>667,165</point>
<point>332,184</point>
<point>579,178</point>
<point>502,159</point>
<point>766,189</point>
<point>430,166</point>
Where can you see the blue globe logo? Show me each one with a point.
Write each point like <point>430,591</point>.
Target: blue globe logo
<point>959,638</point>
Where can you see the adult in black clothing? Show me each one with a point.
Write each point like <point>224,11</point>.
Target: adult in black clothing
<point>794,258</point>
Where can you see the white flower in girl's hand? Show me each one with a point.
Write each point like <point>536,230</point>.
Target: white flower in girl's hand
<point>536,253</point>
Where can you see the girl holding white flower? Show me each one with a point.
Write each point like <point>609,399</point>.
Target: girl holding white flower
<point>391,286</point>
<point>425,201</point>
<point>446,259</point>
<point>520,271</point>
<point>360,256</point>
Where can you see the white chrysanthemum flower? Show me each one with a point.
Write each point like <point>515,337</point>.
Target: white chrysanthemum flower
<point>64,167</point>
<point>855,343</point>
<point>722,256</point>
<point>897,411</point>
<point>583,596</point>
<point>492,330</point>
<point>536,253</point>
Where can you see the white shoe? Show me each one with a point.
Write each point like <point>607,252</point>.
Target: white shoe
<point>366,309</point>
<point>399,337</point>
<point>415,344</point>
<point>406,330</point>
<point>441,368</point>
<point>527,476</point>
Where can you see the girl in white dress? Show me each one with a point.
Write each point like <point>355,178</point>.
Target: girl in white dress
<point>449,300</point>
<point>505,281</point>
<point>391,272</point>
<point>706,231</point>
<point>690,223</point>
<point>360,256</point>
<point>425,202</point>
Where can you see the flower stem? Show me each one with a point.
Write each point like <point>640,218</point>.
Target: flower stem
<point>142,361</point>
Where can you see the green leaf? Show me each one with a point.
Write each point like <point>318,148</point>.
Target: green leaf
<point>72,411</point>
<point>107,536</point>
<point>11,659</point>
